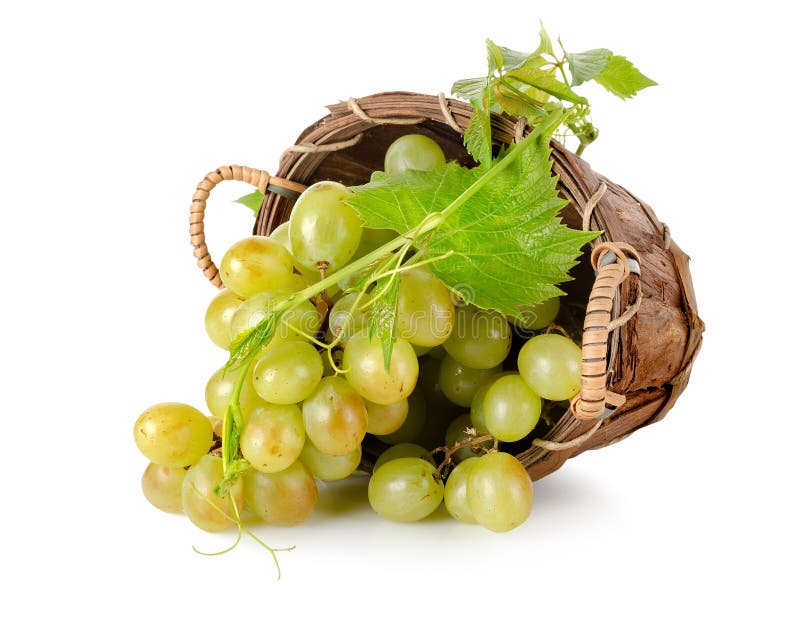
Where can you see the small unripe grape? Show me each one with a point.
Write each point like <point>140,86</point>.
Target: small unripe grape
<point>551,365</point>
<point>424,308</point>
<point>405,489</point>
<point>480,338</point>
<point>455,492</point>
<point>413,152</point>
<point>510,408</point>
<point>287,372</point>
<point>459,382</point>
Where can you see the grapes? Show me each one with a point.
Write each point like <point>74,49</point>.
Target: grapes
<point>255,264</point>
<point>413,152</point>
<point>219,316</point>
<point>303,318</point>
<point>385,419</point>
<point>499,492</point>
<point>402,450</point>
<point>287,497</point>
<point>335,417</point>
<point>202,505</point>
<point>510,408</point>
<point>539,315</point>
<point>366,372</point>
<point>551,365</point>
<point>405,489</point>
<point>324,232</point>
<point>457,431</point>
<point>480,338</point>
<point>329,467</point>
<point>287,372</point>
<point>413,424</point>
<point>455,492</point>
<point>273,437</point>
<point>345,320</point>
<point>219,391</point>
<point>459,383</point>
<point>424,309</point>
<point>173,434</point>
<point>162,485</point>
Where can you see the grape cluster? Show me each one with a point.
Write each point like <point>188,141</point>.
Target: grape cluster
<point>452,395</point>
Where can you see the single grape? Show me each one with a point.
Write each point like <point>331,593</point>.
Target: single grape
<point>219,391</point>
<point>403,450</point>
<point>273,437</point>
<point>366,372</point>
<point>477,412</point>
<point>283,498</point>
<point>480,338</point>
<point>413,424</point>
<point>551,365</point>
<point>457,432</point>
<point>510,408</point>
<point>455,492</point>
<point>385,419</point>
<point>328,467</point>
<point>201,504</point>
<point>459,383</point>
<point>323,229</point>
<point>219,316</point>
<point>173,434</point>
<point>346,320</point>
<point>413,152</point>
<point>255,264</point>
<point>304,317</point>
<point>405,489</point>
<point>310,276</point>
<point>287,372</point>
<point>538,316</point>
<point>335,417</point>
<point>424,309</point>
<point>371,239</point>
<point>162,485</point>
<point>499,491</point>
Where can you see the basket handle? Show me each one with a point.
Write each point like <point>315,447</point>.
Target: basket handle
<point>259,179</point>
<point>613,263</point>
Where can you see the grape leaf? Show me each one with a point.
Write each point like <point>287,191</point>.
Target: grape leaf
<point>547,82</point>
<point>469,89</point>
<point>494,56</point>
<point>622,79</point>
<point>585,66</point>
<point>478,136</point>
<point>545,45</point>
<point>252,201</point>
<point>383,317</point>
<point>500,239</point>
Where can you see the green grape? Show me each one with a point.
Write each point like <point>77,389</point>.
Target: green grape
<point>161,486</point>
<point>510,408</point>
<point>335,417</point>
<point>273,437</point>
<point>477,412</point>
<point>173,434</point>
<point>201,504</point>
<point>385,419</point>
<point>499,491</point>
<point>424,309</point>
<point>304,318</point>
<point>480,338</point>
<point>255,264</point>
<point>366,372</point>
<point>219,391</point>
<point>413,152</point>
<point>328,467</point>
<point>405,489</point>
<point>455,492</point>
<point>538,316</point>
<point>420,351</point>
<point>219,315</point>
<point>283,498</point>
<point>459,382</point>
<point>345,320</point>
<point>324,231</point>
<point>402,450</point>
<point>551,365</point>
<point>287,372</point>
<point>310,276</point>
<point>371,239</point>
<point>457,432</point>
<point>413,424</point>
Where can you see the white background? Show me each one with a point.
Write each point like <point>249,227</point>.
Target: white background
<point>109,115</point>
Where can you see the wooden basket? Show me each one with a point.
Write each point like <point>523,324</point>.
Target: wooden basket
<point>641,327</point>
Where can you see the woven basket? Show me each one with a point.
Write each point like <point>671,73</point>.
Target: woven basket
<point>641,330</point>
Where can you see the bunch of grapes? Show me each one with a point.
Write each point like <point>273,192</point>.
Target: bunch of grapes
<point>452,394</point>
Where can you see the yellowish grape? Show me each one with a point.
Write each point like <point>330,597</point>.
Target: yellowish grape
<point>173,434</point>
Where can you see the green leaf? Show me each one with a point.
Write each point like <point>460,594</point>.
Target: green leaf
<point>251,342</point>
<point>513,59</point>
<point>622,79</point>
<point>546,82</point>
<point>527,104</point>
<point>585,66</point>
<point>478,136</point>
<point>383,317</point>
<point>494,56</point>
<point>545,44</point>
<point>469,88</point>
<point>501,231</point>
<point>252,201</point>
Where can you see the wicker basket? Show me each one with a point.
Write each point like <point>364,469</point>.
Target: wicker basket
<point>641,327</point>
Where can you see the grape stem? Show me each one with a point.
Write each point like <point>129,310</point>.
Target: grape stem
<point>449,451</point>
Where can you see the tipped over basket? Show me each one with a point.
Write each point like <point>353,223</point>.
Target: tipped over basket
<point>641,329</point>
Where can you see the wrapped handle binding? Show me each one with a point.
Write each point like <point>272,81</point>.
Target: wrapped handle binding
<point>259,179</point>
<point>613,263</point>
